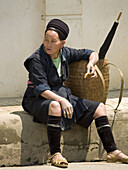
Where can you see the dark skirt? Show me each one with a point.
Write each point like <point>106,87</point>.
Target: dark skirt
<point>83,109</point>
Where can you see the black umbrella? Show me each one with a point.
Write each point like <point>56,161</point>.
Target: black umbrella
<point>104,48</point>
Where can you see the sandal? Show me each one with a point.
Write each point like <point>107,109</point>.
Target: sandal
<point>114,158</point>
<point>62,163</point>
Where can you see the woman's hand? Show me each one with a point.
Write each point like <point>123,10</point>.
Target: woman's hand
<point>91,70</point>
<point>67,108</point>
<point>91,65</point>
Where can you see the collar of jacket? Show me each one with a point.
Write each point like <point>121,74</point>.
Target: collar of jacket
<point>62,53</point>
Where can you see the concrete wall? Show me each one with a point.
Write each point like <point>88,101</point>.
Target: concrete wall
<point>22,24</point>
<point>98,18</point>
<point>20,34</point>
<point>90,22</point>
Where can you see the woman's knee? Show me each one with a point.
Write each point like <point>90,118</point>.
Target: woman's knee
<point>54,108</point>
<point>100,111</point>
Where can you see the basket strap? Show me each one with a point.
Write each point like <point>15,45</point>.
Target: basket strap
<point>103,82</point>
<point>122,84</point>
<point>101,151</point>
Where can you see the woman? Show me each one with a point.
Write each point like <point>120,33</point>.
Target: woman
<point>51,103</point>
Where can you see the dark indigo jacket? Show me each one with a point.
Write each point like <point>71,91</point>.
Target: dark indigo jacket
<point>42,71</point>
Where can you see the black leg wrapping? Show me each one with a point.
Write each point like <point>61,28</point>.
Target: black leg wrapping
<point>105,133</point>
<point>54,133</point>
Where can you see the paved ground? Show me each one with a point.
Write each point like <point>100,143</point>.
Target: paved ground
<point>75,166</point>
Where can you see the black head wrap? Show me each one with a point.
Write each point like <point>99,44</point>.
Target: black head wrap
<point>60,27</point>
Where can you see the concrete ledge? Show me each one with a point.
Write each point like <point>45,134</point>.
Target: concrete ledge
<point>23,142</point>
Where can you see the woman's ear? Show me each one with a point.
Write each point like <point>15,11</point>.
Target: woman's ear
<point>62,43</point>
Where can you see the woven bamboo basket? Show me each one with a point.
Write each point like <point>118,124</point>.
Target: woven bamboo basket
<point>88,88</point>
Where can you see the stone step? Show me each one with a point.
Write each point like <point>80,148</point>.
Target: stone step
<point>24,142</point>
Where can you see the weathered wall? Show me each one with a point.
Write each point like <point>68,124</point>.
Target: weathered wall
<point>90,22</point>
<point>22,23</point>
<point>71,12</point>
<point>98,18</point>
<point>24,142</point>
<point>20,34</point>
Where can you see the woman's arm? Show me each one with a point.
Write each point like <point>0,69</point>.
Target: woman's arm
<point>93,59</point>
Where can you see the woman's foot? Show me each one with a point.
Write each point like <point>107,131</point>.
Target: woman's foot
<point>58,160</point>
<point>117,156</point>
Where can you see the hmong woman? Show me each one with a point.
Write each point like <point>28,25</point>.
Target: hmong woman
<point>51,103</point>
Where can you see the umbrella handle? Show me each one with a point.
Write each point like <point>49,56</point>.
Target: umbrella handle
<point>119,16</point>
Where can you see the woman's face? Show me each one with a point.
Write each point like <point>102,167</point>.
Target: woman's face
<point>52,43</point>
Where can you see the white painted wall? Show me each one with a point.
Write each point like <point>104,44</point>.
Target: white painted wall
<point>71,12</point>
<point>98,18</point>
<point>90,22</point>
<point>20,34</point>
<point>22,24</point>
